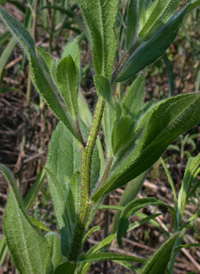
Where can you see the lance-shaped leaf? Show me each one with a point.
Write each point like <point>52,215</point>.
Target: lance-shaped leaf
<point>56,256</point>
<point>191,171</point>
<point>168,120</point>
<point>109,257</point>
<point>41,79</point>
<point>159,261</point>
<point>64,157</point>
<point>148,51</point>
<point>28,248</point>
<point>72,50</point>
<point>158,14</point>
<point>68,81</point>
<point>133,100</point>
<point>133,21</point>
<point>100,17</point>
<point>133,207</point>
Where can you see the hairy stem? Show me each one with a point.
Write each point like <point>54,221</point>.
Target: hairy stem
<point>85,205</point>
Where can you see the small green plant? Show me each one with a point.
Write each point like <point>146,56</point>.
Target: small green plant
<point>136,135</point>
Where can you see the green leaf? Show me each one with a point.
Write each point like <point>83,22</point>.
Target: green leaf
<point>193,5</point>
<point>59,197</point>
<point>133,100</point>
<point>90,232</point>
<point>108,120</point>
<point>108,257</point>
<point>122,134</point>
<point>33,192</point>
<point>100,18</point>
<point>42,80</point>
<point>73,202</point>
<point>103,88</point>
<point>158,262</point>
<point>148,51</point>
<point>47,59</point>
<point>158,14</point>
<point>133,207</point>
<point>3,250</point>
<point>142,221</point>
<point>6,55</point>
<point>68,82</point>
<point>72,50</point>
<point>167,121</point>
<point>29,249</point>
<point>64,157</point>
<point>191,171</point>
<point>133,21</point>
<point>186,246</point>
<point>66,268</point>
<point>55,248</point>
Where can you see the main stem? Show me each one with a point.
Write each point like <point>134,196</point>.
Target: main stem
<point>86,161</point>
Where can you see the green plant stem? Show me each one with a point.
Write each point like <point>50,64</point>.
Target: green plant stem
<point>85,204</point>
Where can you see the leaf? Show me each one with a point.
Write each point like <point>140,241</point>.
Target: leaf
<point>66,268</point>
<point>133,100</point>
<point>132,23</point>
<point>158,262</point>
<point>168,120</point>
<point>64,157</point>
<point>108,257</point>
<point>191,171</point>
<point>103,88</point>
<point>42,80</point>
<point>3,250</point>
<point>28,248</point>
<point>133,207</point>
<point>90,232</point>
<point>68,82</point>
<point>186,246</point>
<point>193,5</point>
<point>33,192</point>
<point>6,55</point>
<point>158,14</point>
<point>47,59</point>
<point>130,193</point>
<point>73,202</point>
<point>59,197</point>
<point>100,18</point>
<point>55,247</point>
<point>148,51</point>
<point>109,117</point>
<point>72,50</point>
<point>142,221</point>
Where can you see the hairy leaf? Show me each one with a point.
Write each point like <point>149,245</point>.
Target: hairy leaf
<point>133,21</point>
<point>148,51</point>
<point>100,17</point>
<point>168,120</point>
<point>68,82</point>
<point>158,262</point>
<point>55,248</point>
<point>66,268</point>
<point>29,249</point>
